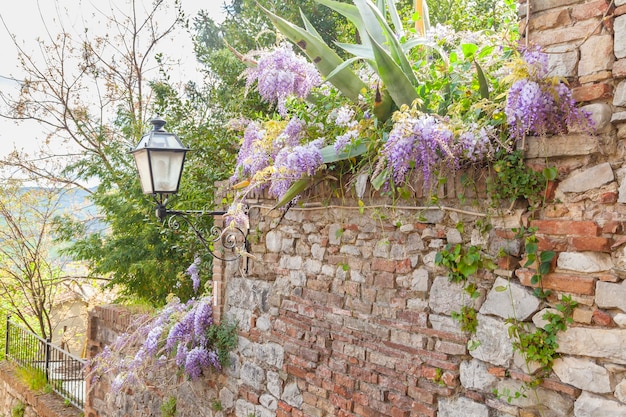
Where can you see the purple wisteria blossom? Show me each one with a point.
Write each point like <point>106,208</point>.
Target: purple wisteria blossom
<point>196,360</point>
<point>193,273</point>
<point>251,158</point>
<point>539,105</point>
<point>280,74</point>
<point>293,163</point>
<point>343,141</point>
<point>417,141</point>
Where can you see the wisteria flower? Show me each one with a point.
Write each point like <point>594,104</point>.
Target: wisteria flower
<point>280,74</point>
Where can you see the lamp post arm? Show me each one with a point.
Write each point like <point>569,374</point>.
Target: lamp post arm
<point>232,242</point>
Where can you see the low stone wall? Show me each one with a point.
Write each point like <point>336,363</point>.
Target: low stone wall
<point>13,392</point>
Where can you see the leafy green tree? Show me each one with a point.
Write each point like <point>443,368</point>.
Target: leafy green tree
<point>30,275</point>
<point>94,94</point>
<point>473,15</point>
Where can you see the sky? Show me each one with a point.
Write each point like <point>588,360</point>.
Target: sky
<point>25,19</point>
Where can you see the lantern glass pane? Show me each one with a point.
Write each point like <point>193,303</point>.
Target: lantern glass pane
<point>143,168</point>
<point>166,170</point>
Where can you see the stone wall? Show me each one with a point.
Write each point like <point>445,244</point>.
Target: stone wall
<point>14,393</point>
<point>343,312</point>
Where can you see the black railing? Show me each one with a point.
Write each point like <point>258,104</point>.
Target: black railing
<point>64,371</point>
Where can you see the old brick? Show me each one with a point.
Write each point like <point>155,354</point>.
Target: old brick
<point>385,280</point>
<point>576,284</point>
<point>385,265</point>
<point>423,410</point>
<point>589,10</point>
<point>592,92</point>
<point>566,227</point>
<point>589,243</point>
<point>566,34</point>
<point>602,318</point>
<point>549,20</point>
<point>550,243</point>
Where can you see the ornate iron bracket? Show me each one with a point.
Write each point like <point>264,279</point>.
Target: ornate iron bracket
<point>223,243</point>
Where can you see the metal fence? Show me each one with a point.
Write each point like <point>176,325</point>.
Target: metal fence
<point>64,371</point>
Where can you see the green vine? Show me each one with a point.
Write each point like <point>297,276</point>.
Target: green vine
<point>168,407</point>
<point>461,265</point>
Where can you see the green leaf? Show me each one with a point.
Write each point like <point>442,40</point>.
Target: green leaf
<point>544,268</point>
<point>501,288</point>
<point>395,80</point>
<point>482,82</point>
<point>547,256</point>
<point>380,179</point>
<point>293,191</point>
<point>469,49</point>
<point>397,53</point>
<point>330,155</point>
<point>550,173</point>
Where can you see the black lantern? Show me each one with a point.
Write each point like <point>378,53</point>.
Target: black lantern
<point>160,157</point>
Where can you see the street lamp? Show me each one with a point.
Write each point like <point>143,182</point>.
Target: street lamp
<point>160,157</point>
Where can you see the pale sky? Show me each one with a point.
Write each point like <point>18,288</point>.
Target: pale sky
<point>24,20</point>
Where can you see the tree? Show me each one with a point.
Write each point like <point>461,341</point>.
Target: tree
<point>93,93</point>
<point>30,278</point>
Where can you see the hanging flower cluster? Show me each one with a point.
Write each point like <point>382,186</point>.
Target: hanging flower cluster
<point>182,333</point>
<point>280,74</point>
<point>426,142</point>
<point>538,104</point>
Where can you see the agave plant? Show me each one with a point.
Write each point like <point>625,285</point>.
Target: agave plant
<point>380,48</point>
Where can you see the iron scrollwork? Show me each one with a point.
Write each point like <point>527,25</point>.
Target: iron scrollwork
<point>223,243</point>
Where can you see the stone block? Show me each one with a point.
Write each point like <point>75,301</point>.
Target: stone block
<point>461,407</point>
<point>584,374</point>
<point>545,402</point>
<point>588,179</point>
<point>596,343</point>
<point>562,61</point>
<point>292,395</point>
<point>619,26</point>
<point>563,145</point>
<point>580,30</point>
<point>588,262</point>
<point>549,20</point>
<point>474,376</point>
<point>610,295</point>
<point>601,114</point>
<point>620,319</point>
<point>596,55</point>
<point>252,375</point>
<point>619,68</point>
<point>619,99</point>
<point>446,297</point>
<point>588,10</point>
<point>508,299</point>
<point>596,406</point>
<point>495,346</point>
<point>620,391</point>
<point>540,5</point>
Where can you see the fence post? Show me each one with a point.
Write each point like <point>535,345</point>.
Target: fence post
<point>48,341</point>
<point>6,340</point>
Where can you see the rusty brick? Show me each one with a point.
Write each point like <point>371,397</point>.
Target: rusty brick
<point>423,410</point>
<point>404,266</point>
<point>592,92</point>
<point>590,10</point>
<point>602,318</point>
<point>566,227</point>
<point>384,280</point>
<point>385,265</point>
<point>576,284</point>
<point>590,243</point>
